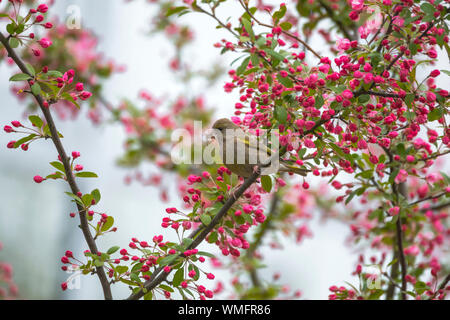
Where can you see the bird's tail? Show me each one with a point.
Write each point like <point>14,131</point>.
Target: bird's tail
<point>293,169</point>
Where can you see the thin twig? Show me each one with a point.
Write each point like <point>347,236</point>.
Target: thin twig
<point>287,33</point>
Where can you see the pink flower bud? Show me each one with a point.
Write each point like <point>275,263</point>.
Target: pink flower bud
<point>45,43</point>
<point>38,179</point>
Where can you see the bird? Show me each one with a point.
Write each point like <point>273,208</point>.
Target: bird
<point>256,154</point>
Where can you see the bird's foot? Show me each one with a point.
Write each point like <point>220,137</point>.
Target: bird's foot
<point>233,192</point>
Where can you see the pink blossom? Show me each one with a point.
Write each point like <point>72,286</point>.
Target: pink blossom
<point>357,4</point>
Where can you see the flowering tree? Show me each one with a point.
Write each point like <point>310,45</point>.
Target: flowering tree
<point>362,117</point>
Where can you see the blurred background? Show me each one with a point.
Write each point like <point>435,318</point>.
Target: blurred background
<point>35,227</point>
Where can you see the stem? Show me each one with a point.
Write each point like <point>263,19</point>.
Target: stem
<point>66,162</point>
<point>394,274</point>
<point>442,285</point>
<point>399,239</point>
<point>399,190</point>
<point>293,36</point>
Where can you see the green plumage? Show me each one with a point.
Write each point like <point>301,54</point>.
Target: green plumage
<point>243,153</point>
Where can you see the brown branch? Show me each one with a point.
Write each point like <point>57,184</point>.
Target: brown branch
<point>399,238</point>
<point>66,162</point>
<point>427,198</point>
<point>399,190</point>
<point>439,207</point>
<point>394,274</point>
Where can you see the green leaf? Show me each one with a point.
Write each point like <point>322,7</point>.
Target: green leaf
<point>98,263</point>
<point>87,200</point>
<point>364,98</point>
<point>187,242</point>
<point>54,74</point>
<point>31,69</point>
<point>20,77</point>
<point>279,14</point>
<point>376,295</point>
<point>435,114</point>
<point>128,282</point>
<point>281,114</point>
<point>401,150</point>
<point>69,98</point>
<point>286,26</point>
<point>350,197</point>
<point>248,27</point>
<point>409,99</point>
<point>213,237</point>
<point>178,277</point>
<point>243,66</point>
<point>164,287</point>
<point>96,195</point>
<point>275,55</point>
<point>206,254</point>
<point>174,10</point>
<point>113,250</point>
<point>11,28</point>
<point>36,89</point>
<point>14,43</point>
<point>75,197</point>
<point>168,260</point>
<point>58,165</point>
<point>56,175</point>
<point>36,121</point>
<point>286,81</point>
<point>86,174</point>
<point>108,224</point>
<point>121,269</point>
<point>206,220</point>
<point>148,296</point>
<point>428,8</point>
<point>266,182</point>
<point>135,277</point>
<point>24,140</point>
<point>366,174</point>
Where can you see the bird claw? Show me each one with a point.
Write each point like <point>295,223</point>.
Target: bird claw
<point>233,192</point>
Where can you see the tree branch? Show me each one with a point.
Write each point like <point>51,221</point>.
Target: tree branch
<point>399,238</point>
<point>66,162</point>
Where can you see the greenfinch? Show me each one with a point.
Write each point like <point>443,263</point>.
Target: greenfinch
<point>247,152</point>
